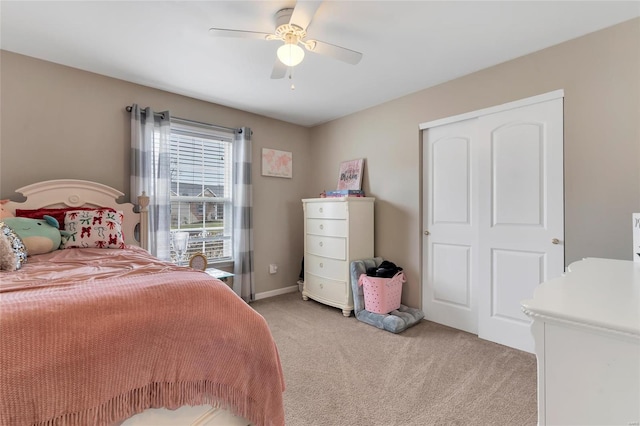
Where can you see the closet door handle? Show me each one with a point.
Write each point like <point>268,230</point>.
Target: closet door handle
<point>427,233</point>
<point>555,241</point>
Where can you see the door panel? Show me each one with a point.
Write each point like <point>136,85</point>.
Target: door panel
<point>520,215</point>
<point>517,175</point>
<point>514,276</point>
<point>451,274</point>
<point>451,192</point>
<point>450,267</point>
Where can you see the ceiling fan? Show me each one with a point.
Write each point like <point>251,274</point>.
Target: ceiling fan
<point>291,28</point>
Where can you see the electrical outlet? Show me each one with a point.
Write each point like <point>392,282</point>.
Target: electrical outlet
<point>273,268</point>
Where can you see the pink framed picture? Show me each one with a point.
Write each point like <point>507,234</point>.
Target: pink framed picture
<point>350,176</point>
<point>277,163</point>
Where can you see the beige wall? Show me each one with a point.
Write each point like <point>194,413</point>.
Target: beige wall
<point>600,75</point>
<point>59,122</point>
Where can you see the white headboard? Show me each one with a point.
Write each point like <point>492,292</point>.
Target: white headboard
<point>62,193</point>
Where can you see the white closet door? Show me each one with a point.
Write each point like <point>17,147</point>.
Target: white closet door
<point>450,244</point>
<point>521,215</point>
<point>493,217</point>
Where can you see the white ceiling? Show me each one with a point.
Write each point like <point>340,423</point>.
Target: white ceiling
<point>407,46</point>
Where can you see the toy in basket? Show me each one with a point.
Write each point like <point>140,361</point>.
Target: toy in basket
<point>382,295</point>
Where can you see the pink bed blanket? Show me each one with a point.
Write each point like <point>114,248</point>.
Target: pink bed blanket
<point>92,337</point>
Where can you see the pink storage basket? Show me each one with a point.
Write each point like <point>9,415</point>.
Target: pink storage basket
<point>382,295</point>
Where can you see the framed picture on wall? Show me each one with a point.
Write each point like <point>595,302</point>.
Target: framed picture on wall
<point>277,163</point>
<point>350,176</point>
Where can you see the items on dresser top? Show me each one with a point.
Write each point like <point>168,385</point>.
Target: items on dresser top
<point>344,193</point>
<point>336,232</point>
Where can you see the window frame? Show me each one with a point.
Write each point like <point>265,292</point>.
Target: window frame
<point>182,130</point>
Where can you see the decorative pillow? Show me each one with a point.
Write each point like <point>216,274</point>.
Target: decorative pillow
<point>93,229</point>
<point>57,213</point>
<point>13,253</point>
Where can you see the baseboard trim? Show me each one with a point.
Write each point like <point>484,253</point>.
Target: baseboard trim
<point>278,292</point>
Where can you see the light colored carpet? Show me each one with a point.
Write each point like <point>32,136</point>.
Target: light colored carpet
<point>340,371</point>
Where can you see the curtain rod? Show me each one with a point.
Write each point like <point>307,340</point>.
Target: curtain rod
<point>143,111</point>
<point>184,120</point>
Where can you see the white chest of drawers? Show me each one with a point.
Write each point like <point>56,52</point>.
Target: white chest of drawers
<point>336,232</point>
<point>586,326</point>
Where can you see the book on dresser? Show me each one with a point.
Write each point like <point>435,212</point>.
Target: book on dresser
<point>336,232</point>
<point>345,193</point>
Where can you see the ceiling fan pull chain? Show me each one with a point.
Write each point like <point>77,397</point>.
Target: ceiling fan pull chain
<point>293,86</point>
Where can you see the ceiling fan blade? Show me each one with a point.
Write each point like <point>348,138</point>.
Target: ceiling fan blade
<point>223,32</point>
<point>340,53</point>
<point>303,12</point>
<point>279,70</point>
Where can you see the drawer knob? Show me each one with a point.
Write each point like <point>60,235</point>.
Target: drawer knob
<point>321,209</point>
<point>321,244</point>
<point>321,265</point>
<point>321,285</point>
<point>321,226</point>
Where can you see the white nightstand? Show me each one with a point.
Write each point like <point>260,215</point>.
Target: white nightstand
<point>219,274</point>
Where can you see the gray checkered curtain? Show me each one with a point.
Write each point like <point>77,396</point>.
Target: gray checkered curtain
<point>150,133</point>
<point>243,283</point>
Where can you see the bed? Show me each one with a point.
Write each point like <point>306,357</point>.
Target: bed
<point>93,336</point>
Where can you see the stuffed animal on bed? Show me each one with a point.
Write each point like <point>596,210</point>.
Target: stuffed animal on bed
<point>38,235</point>
<point>13,253</point>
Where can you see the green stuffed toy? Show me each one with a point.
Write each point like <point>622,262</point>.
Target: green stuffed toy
<point>38,235</point>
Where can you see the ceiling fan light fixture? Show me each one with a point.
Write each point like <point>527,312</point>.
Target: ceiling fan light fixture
<point>290,54</point>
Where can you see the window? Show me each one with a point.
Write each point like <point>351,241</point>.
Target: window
<point>201,190</point>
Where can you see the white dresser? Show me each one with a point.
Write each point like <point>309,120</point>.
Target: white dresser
<point>586,327</point>
<point>336,232</point>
